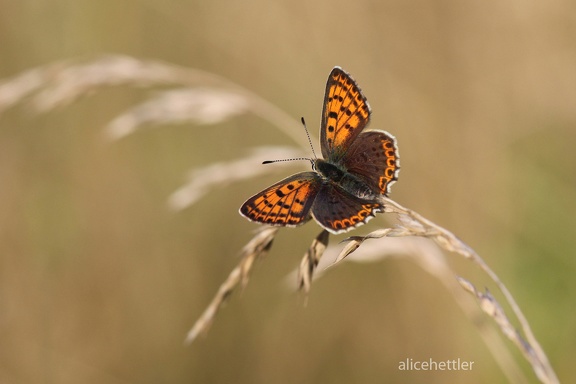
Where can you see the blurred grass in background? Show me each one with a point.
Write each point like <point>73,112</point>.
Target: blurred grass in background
<point>99,281</point>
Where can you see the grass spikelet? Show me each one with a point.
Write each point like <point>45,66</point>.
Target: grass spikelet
<point>199,105</point>
<point>255,249</point>
<point>414,224</point>
<point>311,259</point>
<point>492,308</point>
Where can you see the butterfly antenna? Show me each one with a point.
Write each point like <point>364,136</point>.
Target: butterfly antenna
<point>312,161</point>
<point>308,136</point>
<point>277,161</point>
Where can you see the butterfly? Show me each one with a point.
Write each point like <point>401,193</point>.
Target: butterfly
<point>343,191</point>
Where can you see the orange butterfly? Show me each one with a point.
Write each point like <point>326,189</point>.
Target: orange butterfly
<point>343,191</point>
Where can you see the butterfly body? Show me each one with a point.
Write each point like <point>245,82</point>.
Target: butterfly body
<point>345,188</point>
<point>338,176</point>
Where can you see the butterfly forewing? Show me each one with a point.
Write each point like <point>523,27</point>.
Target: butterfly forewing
<point>345,114</point>
<point>286,203</point>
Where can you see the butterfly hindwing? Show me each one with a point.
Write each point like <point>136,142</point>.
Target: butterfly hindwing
<point>345,114</point>
<point>373,157</point>
<point>286,203</point>
<point>339,211</point>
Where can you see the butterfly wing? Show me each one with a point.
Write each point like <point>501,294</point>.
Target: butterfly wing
<point>373,157</point>
<point>345,114</point>
<point>339,211</point>
<point>286,203</point>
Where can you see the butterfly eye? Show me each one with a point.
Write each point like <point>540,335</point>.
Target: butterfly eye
<point>314,165</point>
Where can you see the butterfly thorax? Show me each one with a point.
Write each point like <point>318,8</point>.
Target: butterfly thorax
<point>340,176</point>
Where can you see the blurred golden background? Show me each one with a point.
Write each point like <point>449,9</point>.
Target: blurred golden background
<point>100,280</point>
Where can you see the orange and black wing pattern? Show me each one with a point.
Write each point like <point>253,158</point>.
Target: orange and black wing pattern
<point>345,114</point>
<point>286,203</point>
